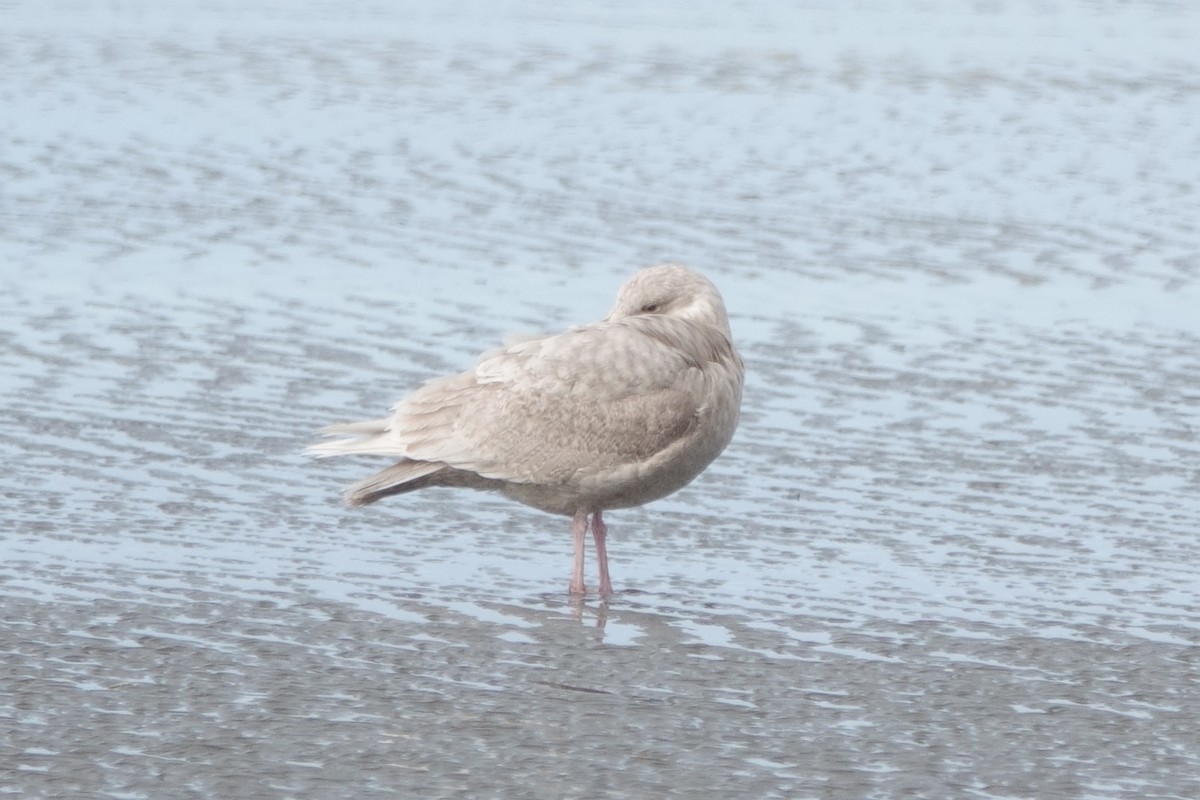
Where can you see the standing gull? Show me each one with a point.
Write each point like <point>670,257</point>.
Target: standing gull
<point>608,415</point>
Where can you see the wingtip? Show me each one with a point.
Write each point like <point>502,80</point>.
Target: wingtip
<point>323,449</point>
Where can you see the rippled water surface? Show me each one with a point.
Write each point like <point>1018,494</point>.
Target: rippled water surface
<point>952,552</point>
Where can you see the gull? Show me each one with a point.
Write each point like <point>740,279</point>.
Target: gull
<point>609,415</point>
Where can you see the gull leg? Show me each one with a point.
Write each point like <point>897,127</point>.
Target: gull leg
<point>599,532</point>
<point>579,526</point>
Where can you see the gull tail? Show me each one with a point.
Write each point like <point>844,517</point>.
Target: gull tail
<point>376,437</point>
<point>396,479</point>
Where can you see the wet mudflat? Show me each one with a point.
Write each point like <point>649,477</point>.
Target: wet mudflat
<point>952,551</point>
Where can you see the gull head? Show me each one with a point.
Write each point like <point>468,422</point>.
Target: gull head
<point>672,290</point>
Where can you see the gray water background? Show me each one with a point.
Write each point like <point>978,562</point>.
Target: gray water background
<point>951,552</point>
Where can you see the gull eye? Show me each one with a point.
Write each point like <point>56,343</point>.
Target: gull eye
<point>651,308</point>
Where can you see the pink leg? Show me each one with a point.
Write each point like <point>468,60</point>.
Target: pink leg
<point>599,532</point>
<point>579,526</point>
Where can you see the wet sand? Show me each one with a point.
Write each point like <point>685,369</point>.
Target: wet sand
<point>951,551</point>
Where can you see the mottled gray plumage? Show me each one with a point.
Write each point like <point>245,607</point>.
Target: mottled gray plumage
<point>608,415</point>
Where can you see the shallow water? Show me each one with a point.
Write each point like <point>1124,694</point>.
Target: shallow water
<point>951,552</point>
